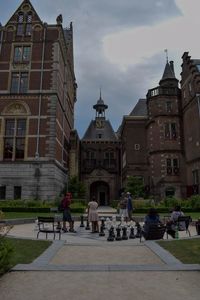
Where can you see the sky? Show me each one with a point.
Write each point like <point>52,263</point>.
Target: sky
<point>119,47</point>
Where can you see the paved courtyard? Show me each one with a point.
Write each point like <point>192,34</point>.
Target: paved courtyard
<point>83,265</point>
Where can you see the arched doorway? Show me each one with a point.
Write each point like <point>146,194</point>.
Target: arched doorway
<point>100,190</point>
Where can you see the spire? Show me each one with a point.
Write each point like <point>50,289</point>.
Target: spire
<point>168,75</point>
<point>100,107</point>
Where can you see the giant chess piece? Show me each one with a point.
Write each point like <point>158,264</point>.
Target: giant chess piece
<point>82,223</point>
<point>124,233</point>
<point>102,233</point>
<point>110,235</point>
<point>118,237</point>
<point>139,230</point>
<point>112,231</point>
<point>87,225</point>
<point>103,223</point>
<point>132,235</point>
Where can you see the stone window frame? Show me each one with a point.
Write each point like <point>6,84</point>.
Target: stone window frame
<point>172,166</point>
<point>19,83</point>
<point>24,23</point>
<point>22,58</point>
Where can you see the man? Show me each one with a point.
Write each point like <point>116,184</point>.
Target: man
<point>129,205</point>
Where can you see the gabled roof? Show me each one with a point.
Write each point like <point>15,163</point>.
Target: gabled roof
<point>20,8</point>
<point>140,108</point>
<point>107,133</point>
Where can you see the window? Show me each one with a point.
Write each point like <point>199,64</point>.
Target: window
<point>2,192</point>
<point>109,159</point>
<point>170,131</point>
<point>19,82</point>
<point>20,26</point>
<point>172,166</point>
<point>24,26</point>
<point>168,106</point>
<point>14,139</point>
<point>22,54</point>
<point>137,147</point>
<point>198,67</point>
<point>17,192</point>
<point>195,175</point>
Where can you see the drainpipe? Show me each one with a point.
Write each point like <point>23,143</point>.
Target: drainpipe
<point>37,155</point>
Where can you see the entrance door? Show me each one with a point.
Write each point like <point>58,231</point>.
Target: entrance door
<point>102,198</point>
<point>100,190</point>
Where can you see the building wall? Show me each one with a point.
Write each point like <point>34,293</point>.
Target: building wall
<point>47,105</point>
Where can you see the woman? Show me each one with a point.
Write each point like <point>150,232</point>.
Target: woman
<point>93,215</point>
<point>151,219</point>
<point>172,223</point>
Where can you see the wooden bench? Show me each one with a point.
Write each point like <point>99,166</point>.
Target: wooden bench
<point>48,225</point>
<point>155,232</point>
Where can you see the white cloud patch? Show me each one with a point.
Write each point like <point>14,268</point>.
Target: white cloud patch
<point>134,45</point>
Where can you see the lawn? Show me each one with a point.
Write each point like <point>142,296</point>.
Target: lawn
<point>187,251</point>
<point>25,251</point>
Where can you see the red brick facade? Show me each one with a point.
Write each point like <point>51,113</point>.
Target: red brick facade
<point>37,85</point>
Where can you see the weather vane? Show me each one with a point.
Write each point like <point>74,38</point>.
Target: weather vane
<point>166,51</point>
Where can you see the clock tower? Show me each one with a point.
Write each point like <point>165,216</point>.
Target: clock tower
<point>100,108</point>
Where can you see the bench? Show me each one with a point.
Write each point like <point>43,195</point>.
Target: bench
<point>48,225</point>
<point>155,232</point>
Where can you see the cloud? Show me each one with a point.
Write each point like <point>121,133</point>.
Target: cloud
<point>114,47</point>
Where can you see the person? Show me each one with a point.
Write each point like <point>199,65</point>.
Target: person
<point>67,213</point>
<point>93,215</point>
<point>172,223</point>
<point>129,206</point>
<point>123,206</point>
<point>151,219</point>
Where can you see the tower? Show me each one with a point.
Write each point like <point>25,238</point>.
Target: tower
<point>100,157</point>
<point>164,136</point>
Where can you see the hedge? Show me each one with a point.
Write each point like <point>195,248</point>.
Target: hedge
<point>39,209</point>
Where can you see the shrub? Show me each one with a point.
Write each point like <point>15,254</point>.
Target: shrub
<point>195,201</point>
<point>5,249</point>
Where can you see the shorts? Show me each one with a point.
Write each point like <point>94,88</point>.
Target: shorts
<point>67,215</point>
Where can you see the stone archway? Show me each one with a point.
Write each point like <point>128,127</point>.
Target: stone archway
<point>101,191</point>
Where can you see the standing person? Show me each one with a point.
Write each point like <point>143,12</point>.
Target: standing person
<point>129,206</point>
<point>67,213</point>
<point>172,223</point>
<point>123,207</point>
<point>93,215</point>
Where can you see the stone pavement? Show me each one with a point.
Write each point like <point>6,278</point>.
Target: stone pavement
<point>85,266</point>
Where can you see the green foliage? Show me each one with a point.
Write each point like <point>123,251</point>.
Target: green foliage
<point>76,187</point>
<point>195,201</point>
<point>5,249</point>
<point>135,186</point>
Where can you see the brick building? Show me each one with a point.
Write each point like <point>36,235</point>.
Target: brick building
<point>161,136</point>
<point>100,163</point>
<point>37,96</point>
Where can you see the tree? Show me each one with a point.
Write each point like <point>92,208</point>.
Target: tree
<point>76,187</point>
<point>135,186</point>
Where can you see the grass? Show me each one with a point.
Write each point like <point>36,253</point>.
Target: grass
<point>25,251</point>
<point>187,251</point>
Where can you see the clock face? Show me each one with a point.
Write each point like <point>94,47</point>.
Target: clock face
<point>99,124</point>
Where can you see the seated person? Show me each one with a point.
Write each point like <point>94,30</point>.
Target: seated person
<point>172,223</point>
<point>151,219</point>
